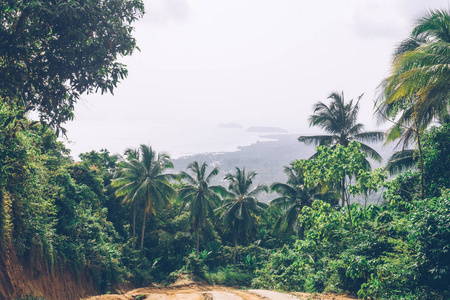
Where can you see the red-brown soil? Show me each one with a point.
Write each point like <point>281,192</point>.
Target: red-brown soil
<point>17,281</point>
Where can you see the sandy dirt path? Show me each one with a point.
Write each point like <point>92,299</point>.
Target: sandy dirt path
<point>215,295</point>
<point>206,292</point>
<point>273,295</point>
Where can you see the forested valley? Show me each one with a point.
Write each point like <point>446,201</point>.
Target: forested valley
<point>77,227</point>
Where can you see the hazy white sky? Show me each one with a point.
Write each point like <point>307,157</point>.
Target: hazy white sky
<point>257,63</point>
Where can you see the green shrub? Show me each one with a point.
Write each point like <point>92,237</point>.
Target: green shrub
<point>196,265</point>
<point>430,231</point>
<point>230,276</point>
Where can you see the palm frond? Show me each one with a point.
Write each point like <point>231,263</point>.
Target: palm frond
<point>282,188</point>
<point>318,139</point>
<point>258,190</point>
<point>401,161</point>
<point>370,136</point>
<point>188,178</point>
<point>212,174</point>
<point>372,153</point>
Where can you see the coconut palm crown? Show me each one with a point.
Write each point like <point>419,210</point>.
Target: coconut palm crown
<point>200,197</point>
<point>417,88</point>
<point>339,120</point>
<point>417,92</point>
<point>241,205</point>
<point>293,196</point>
<point>142,181</point>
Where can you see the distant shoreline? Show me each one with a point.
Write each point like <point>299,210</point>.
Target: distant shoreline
<point>267,138</point>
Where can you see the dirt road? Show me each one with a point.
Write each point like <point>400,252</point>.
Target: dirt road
<point>206,292</point>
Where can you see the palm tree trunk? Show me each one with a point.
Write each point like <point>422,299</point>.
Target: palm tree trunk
<point>198,240</point>
<point>145,215</point>
<point>143,230</point>
<point>345,199</point>
<point>235,249</point>
<point>422,180</point>
<point>134,223</point>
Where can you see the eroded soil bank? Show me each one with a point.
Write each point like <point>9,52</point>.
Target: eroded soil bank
<point>19,279</point>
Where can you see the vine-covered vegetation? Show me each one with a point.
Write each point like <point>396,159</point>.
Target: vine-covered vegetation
<point>129,219</point>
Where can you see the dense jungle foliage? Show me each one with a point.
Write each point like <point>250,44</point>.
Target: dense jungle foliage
<point>57,211</point>
<point>129,219</point>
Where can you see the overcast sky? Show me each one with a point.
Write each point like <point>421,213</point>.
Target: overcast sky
<point>256,63</point>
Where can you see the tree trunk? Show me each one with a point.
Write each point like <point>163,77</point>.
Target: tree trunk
<point>346,200</point>
<point>301,232</point>
<point>235,249</point>
<point>134,224</point>
<point>198,240</point>
<point>422,180</point>
<point>143,230</point>
<point>349,213</point>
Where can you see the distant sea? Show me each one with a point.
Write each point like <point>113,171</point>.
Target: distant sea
<point>213,140</point>
<point>177,142</point>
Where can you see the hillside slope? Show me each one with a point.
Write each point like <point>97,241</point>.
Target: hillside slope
<point>267,158</point>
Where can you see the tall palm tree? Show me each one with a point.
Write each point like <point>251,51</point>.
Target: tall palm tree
<point>129,155</point>
<point>339,120</point>
<point>201,197</point>
<point>142,181</point>
<point>241,205</point>
<point>420,72</point>
<point>294,195</point>
<point>417,91</point>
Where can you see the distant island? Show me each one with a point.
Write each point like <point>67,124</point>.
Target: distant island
<point>266,129</point>
<point>230,125</point>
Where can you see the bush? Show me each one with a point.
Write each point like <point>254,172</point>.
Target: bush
<point>229,275</point>
<point>430,229</point>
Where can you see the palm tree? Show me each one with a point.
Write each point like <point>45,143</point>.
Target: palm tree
<point>416,92</point>
<point>420,72</point>
<point>339,119</point>
<point>241,205</point>
<point>201,197</point>
<point>141,180</point>
<point>294,195</point>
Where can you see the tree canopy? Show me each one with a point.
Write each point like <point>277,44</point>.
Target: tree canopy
<point>339,119</point>
<point>417,88</point>
<point>199,195</point>
<point>142,181</point>
<point>51,52</point>
<point>241,205</point>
